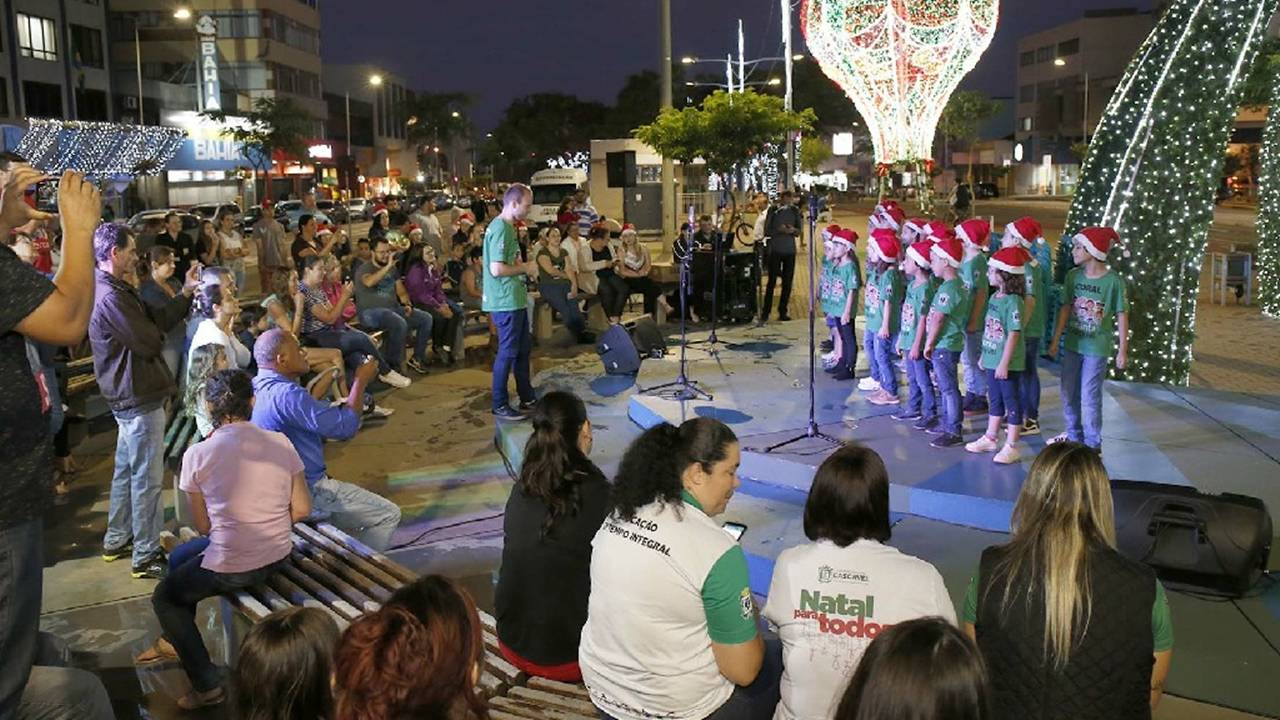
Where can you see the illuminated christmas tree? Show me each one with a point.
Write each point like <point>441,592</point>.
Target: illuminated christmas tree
<point>1268,257</point>
<point>1154,164</point>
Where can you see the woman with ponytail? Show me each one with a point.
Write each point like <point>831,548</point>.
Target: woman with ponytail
<point>417,657</point>
<point>555,508</point>
<point>671,628</point>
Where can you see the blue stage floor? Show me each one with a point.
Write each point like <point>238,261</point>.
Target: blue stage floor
<point>949,504</point>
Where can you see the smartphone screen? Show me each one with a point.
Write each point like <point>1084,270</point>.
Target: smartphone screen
<point>47,196</point>
<point>735,530</point>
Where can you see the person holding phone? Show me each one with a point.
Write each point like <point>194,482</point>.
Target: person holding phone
<point>781,229</point>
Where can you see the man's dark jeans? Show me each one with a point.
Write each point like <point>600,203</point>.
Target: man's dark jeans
<point>175,600</point>
<point>514,345</point>
<point>783,266</point>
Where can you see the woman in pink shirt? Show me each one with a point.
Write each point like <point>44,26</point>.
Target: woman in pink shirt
<point>246,488</point>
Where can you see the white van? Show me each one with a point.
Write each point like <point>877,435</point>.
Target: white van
<point>550,188</point>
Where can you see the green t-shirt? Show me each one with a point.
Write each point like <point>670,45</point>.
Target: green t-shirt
<point>951,301</point>
<point>1004,316</point>
<point>973,274</point>
<point>726,594</point>
<point>545,278</point>
<point>837,282</point>
<point>872,303</point>
<point>915,306</point>
<point>891,291</point>
<point>502,293</point>
<point>1161,621</point>
<point>1093,304</point>
<point>1035,289</point>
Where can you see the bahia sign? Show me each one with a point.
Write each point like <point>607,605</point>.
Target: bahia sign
<point>207,62</point>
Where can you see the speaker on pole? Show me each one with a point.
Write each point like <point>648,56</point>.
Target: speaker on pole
<point>620,168</point>
<point>1218,544</point>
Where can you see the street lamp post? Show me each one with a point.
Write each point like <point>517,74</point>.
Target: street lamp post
<point>664,100</point>
<point>786,53</point>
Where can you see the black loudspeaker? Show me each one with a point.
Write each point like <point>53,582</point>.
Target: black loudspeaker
<point>737,285</point>
<point>620,168</point>
<point>647,338</point>
<point>618,352</point>
<point>1218,544</point>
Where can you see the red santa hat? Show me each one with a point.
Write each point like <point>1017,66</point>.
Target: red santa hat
<point>974,231</point>
<point>466,218</point>
<point>830,231</point>
<point>914,229</point>
<point>415,229</point>
<point>1025,230</point>
<point>948,248</point>
<point>920,252</point>
<point>845,236</point>
<point>894,217</point>
<point>885,245</point>
<point>1010,260</point>
<point>627,228</point>
<point>324,230</point>
<point>381,210</point>
<point>1097,241</point>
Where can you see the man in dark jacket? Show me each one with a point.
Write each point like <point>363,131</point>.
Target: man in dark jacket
<point>781,229</point>
<point>128,341</point>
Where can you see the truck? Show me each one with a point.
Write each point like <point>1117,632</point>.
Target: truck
<point>550,188</point>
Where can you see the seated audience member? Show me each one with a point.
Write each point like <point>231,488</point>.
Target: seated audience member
<point>362,254</point>
<point>205,362</point>
<point>310,242</point>
<point>671,626</point>
<point>285,667</point>
<point>472,280</point>
<point>558,283</point>
<point>846,519</point>
<point>383,304</point>
<point>246,488</point>
<point>219,310</point>
<point>321,324</point>
<point>555,509</point>
<point>1031,598</point>
<point>922,669</point>
<point>332,286</point>
<point>634,271</point>
<point>210,277</point>
<point>453,269</point>
<point>419,656</point>
<point>158,289</point>
<point>282,312</point>
<point>425,283</point>
<point>281,404</point>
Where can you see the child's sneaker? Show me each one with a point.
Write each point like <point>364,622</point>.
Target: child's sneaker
<point>983,444</point>
<point>883,397</point>
<point>928,424</point>
<point>868,383</point>
<point>828,357</point>
<point>905,414</point>
<point>947,441</point>
<point>977,407</point>
<point>1059,438</point>
<point>1031,426</point>
<point>1008,455</point>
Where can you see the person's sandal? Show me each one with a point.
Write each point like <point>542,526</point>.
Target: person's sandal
<point>160,651</point>
<point>195,699</point>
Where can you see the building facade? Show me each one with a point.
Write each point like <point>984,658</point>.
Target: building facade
<point>53,60</point>
<point>381,156</point>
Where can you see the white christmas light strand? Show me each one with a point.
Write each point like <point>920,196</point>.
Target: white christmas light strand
<point>99,149</point>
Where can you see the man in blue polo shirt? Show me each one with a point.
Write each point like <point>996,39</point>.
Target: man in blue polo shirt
<point>281,404</point>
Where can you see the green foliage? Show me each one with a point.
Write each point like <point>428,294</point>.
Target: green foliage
<point>1257,90</point>
<point>1268,256</point>
<point>1080,150</point>
<point>813,153</point>
<point>725,130</point>
<point>430,117</point>
<point>273,125</point>
<point>541,126</point>
<point>811,88</point>
<point>1154,165</point>
<point>964,114</point>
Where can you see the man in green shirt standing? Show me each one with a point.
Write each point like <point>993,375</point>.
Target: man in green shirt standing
<point>506,300</point>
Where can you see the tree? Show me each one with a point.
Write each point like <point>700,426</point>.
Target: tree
<point>436,120</point>
<point>813,153</point>
<point>963,117</point>
<point>811,88</point>
<point>541,126</point>
<point>273,127</point>
<point>1265,77</point>
<point>1155,164</point>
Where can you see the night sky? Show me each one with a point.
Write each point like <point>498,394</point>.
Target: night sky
<point>503,49</point>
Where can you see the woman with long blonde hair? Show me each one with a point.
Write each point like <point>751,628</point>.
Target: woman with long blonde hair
<point>1068,626</point>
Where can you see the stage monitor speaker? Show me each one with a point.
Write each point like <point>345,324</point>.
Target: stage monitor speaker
<point>618,352</point>
<point>1218,544</point>
<point>647,338</point>
<point>620,168</point>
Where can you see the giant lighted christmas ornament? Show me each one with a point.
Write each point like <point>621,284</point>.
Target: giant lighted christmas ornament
<point>899,61</point>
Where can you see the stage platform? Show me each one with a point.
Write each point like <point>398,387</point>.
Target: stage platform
<point>949,504</point>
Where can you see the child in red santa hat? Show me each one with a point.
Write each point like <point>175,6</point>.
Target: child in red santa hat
<point>1003,354</point>
<point>948,317</point>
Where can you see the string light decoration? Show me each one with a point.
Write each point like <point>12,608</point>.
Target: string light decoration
<point>576,160</point>
<point>1154,164</point>
<point>100,150</point>
<point>1268,223</point>
<point>899,61</point>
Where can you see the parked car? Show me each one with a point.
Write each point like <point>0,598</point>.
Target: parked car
<point>190,222</point>
<point>249,218</point>
<point>289,211</point>
<point>464,202</point>
<point>335,210</point>
<point>358,208</point>
<point>986,190</point>
<point>210,211</point>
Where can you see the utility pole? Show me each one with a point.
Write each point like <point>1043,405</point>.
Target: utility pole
<point>786,51</point>
<point>742,65</point>
<point>664,96</point>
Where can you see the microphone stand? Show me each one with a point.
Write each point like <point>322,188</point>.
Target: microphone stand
<point>715,295</point>
<point>811,431</point>
<point>684,388</point>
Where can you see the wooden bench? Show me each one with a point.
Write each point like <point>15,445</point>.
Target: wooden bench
<point>80,377</point>
<point>511,694</point>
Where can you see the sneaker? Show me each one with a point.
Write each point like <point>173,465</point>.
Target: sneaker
<point>114,554</point>
<point>984,444</point>
<point>829,357</point>
<point>416,365</point>
<point>1008,455</point>
<point>784,318</point>
<point>841,373</point>
<point>395,379</point>
<point>947,441</point>
<point>979,407</point>
<point>527,406</point>
<point>884,397</point>
<point>506,412</point>
<point>1062,437</point>
<point>377,411</point>
<point>827,345</point>
<point>1031,426</point>
<point>905,414</point>
<point>154,567</point>
<point>444,355</point>
<point>925,423</point>
<point>868,383</point>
